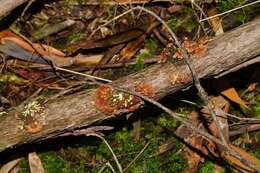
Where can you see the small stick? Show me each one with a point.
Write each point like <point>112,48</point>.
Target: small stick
<point>82,74</point>
<point>203,95</point>
<point>136,157</point>
<point>109,147</point>
<point>108,164</point>
<point>27,7</point>
<point>46,31</point>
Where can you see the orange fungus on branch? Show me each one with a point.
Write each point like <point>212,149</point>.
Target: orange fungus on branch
<point>195,48</point>
<point>146,89</point>
<point>111,101</point>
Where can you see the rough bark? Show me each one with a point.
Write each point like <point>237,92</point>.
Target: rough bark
<point>78,110</point>
<point>8,5</point>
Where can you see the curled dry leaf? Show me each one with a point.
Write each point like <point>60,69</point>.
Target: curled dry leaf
<point>8,167</point>
<point>111,101</point>
<point>216,22</point>
<point>35,163</point>
<point>226,89</point>
<point>245,155</point>
<point>194,158</point>
<point>232,94</point>
<point>251,87</point>
<point>43,49</point>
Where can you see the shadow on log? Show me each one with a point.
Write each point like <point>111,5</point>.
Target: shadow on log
<point>225,53</point>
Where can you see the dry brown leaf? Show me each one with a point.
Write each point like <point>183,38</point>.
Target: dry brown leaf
<point>165,147</point>
<point>35,163</point>
<point>232,94</point>
<point>193,158</point>
<point>131,48</point>
<point>245,155</point>
<point>175,8</point>
<point>7,168</point>
<point>216,22</point>
<point>88,60</point>
<point>251,87</point>
<point>43,49</point>
<point>119,38</point>
<point>226,89</point>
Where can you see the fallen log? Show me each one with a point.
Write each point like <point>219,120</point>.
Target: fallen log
<point>8,5</point>
<point>228,51</point>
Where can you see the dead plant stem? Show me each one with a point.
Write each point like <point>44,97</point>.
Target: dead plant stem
<point>136,157</point>
<point>110,149</point>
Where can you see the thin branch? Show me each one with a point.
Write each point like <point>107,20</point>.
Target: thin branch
<point>27,7</point>
<point>203,95</point>
<point>108,164</point>
<point>109,147</point>
<point>229,11</point>
<point>136,157</point>
<point>82,74</point>
<point>8,5</point>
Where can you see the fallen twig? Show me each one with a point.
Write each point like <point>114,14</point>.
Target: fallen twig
<point>136,157</point>
<point>109,147</point>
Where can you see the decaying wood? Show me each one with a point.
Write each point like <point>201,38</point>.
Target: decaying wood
<point>8,5</point>
<point>78,110</point>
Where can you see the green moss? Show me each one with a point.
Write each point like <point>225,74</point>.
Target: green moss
<point>75,1</point>
<point>256,106</point>
<point>207,167</point>
<point>150,48</point>
<point>225,5</point>
<point>52,163</point>
<point>24,166</point>
<point>256,152</point>
<point>175,23</point>
<point>73,37</point>
<point>125,148</point>
<point>240,16</point>
<point>184,21</point>
<point>139,62</point>
<point>168,122</point>
<point>152,45</point>
<point>177,163</point>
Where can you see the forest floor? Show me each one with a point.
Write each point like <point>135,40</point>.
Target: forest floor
<point>147,140</point>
